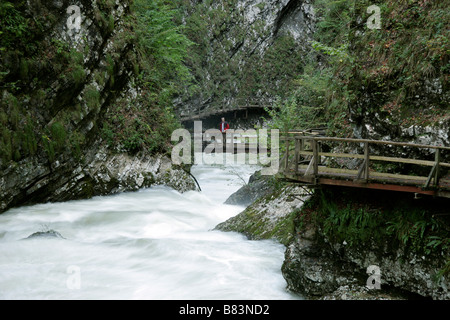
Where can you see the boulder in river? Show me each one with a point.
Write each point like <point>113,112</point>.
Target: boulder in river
<point>46,234</point>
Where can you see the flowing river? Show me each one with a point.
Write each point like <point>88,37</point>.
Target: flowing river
<point>151,244</point>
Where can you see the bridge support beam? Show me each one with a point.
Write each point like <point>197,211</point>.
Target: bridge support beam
<point>378,186</point>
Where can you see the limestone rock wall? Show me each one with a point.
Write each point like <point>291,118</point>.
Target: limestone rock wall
<point>247,50</point>
<point>73,69</point>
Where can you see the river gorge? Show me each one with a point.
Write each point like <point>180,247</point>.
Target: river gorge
<point>156,243</point>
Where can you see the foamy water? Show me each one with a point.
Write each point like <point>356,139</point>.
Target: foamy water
<point>151,244</point>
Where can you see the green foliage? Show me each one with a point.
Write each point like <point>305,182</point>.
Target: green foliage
<point>78,75</point>
<point>421,232</point>
<point>397,64</point>
<point>341,52</point>
<point>49,148</point>
<point>92,97</point>
<point>147,124</point>
<point>5,145</point>
<point>17,134</point>
<point>388,71</point>
<point>443,272</point>
<point>321,89</point>
<point>401,222</point>
<point>291,114</point>
<point>349,223</point>
<point>59,135</point>
<point>13,25</point>
<point>162,42</point>
<point>54,140</point>
<point>29,142</point>
<point>76,140</point>
<point>138,128</point>
<point>155,48</point>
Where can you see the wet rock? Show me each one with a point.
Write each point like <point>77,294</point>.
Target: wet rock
<point>270,216</point>
<point>355,292</point>
<point>103,173</point>
<point>319,268</point>
<point>46,234</point>
<point>258,186</point>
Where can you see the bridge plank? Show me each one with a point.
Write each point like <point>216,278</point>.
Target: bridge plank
<point>377,158</point>
<point>354,173</point>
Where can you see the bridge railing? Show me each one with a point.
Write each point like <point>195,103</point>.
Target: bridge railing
<point>304,158</point>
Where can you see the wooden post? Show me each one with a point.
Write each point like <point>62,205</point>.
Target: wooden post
<point>436,172</point>
<point>297,154</point>
<point>366,161</point>
<point>315,157</point>
<point>286,167</point>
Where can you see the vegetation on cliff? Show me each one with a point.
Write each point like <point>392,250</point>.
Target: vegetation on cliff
<point>161,48</point>
<point>395,75</point>
<point>52,88</point>
<point>351,216</point>
<point>238,54</point>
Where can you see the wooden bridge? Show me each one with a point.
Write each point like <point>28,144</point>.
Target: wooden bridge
<point>309,160</point>
<point>242,105</point>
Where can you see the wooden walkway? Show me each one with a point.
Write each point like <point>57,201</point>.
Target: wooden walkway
<point>306,161</point>
<point>242,106</point>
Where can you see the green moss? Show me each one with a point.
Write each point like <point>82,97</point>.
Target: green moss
<point>92,97</point>
<point>3,118</point>
<point>111,23</point>
<point>261,5</point>
<point>6,145</point>
<point>110,64</point>
<point>59,135</point>
<point>29,142</point>
<point>76,140</point>
<point>23,69</point>
<point>49,148</point>
<point>284,230</point>
<point>78,74</point>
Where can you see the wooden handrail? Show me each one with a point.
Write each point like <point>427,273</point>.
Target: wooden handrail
<point>363,174</point>
<point>394,143</point>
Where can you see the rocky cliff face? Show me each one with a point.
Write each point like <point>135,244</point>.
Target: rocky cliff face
<point>400,88</point>
<point>318,268</point>
<point>101,173</point>
<point>64,66</point>
<point>246,50</point>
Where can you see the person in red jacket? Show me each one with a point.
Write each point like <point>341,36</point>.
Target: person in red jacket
<point>223,127</point>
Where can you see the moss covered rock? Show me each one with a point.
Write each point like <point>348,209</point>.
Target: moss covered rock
<point>270,217</point>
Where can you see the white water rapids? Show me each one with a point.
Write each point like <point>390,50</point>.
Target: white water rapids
<point>151,244</point>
